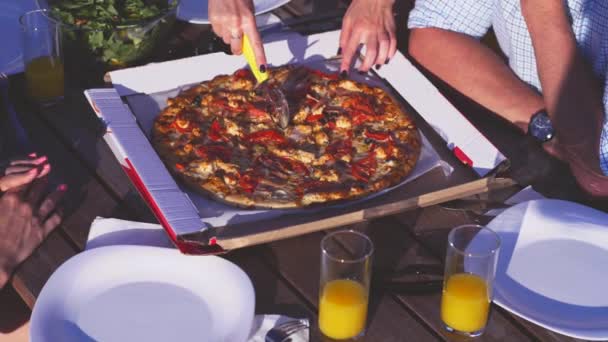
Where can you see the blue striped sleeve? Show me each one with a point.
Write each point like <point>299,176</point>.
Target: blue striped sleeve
<point>471,17</point>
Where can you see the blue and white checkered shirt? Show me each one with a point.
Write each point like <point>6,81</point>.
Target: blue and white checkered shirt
<point>474,18</point>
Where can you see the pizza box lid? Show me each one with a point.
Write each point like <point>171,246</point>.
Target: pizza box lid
<point>173,207</point>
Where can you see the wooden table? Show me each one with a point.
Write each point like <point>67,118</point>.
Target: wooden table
<point>407,275</point>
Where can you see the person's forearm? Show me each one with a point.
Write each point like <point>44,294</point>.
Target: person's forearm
<point>571,93</point>
<point>476,71</point>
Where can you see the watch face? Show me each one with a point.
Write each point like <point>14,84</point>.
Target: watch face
<point>541,127</point>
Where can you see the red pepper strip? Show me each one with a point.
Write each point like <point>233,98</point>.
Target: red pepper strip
<point>248,183</point>
<point>361,117</point>
<point>243,73</point>
<point>331,124</point>
<point>179,166</point>
<point>380,136</point>
<point>222,104</point>
<point>216,132</point>
<point>255,112</point>
<point>266,136</point>
<point>364,168</point>
<point>360,103</point>
<point>333,76</point>
<point>314,118</point>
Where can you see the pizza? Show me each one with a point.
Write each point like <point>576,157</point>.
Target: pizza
<point>345,139</point>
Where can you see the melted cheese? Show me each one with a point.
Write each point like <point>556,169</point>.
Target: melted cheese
<point>232,128</point>
<point>327,175</point>
<point>302,156</point>
<point>227,167</point>
<point>349,85</point>
<point>201,169</point>
<point>343,122</point>
<point>321,138</point>
<point>380,152</point>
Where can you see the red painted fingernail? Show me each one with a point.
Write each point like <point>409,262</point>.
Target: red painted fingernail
<point>62,187</point>
<point>32,155</point>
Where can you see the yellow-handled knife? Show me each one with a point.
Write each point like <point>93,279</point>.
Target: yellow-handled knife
<point>250,57</point>
<point>280,107</point>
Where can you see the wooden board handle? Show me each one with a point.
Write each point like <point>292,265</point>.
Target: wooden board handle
<point>426,200</point>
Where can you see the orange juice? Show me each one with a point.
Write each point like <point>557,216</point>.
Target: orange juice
<point>44,76</point>
<point>342,309</point>
<point>465,303</point>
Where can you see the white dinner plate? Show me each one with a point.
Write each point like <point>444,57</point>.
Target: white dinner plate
<point>139,293</point>
<point>553,266</point>
<point>196,11</point>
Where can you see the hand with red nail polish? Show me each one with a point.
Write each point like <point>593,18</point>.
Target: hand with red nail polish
<point>28,213</point>
<point>23,171</point>
<point>369,23</point>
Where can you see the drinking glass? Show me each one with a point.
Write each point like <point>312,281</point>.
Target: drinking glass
<point>470,266</point>
<point>346,263</point>
<point>42,56</point>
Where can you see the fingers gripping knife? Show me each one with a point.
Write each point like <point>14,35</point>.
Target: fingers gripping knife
<point>275,96</point>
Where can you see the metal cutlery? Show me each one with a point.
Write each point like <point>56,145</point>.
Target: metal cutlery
<point>281,332</point>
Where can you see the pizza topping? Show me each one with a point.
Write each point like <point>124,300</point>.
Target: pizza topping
<point>216,132</point>
<point>283,165</point>
<point>340,148</point>
<point>364,168</point>
<point>256,112</point>
<point>321,139</point>
<point>379,136</point>
<point>361,117</point>
<point>196,101</point>
<point>248,183</point>
<point>343,122</point>
<point>333,76</point>
<point>268,136</point>
<point>243,73</point>
<point>232,128</point>
<point>212,152</point>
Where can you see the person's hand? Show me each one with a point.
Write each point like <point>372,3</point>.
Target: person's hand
<point>27,216</point>
<point>20,172</point>
<point>371,23</point>
<point>230,19</point>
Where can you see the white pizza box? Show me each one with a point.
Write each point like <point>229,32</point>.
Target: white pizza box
<point>192,227</point>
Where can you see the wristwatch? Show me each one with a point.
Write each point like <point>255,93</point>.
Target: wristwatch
<point>540,127</point>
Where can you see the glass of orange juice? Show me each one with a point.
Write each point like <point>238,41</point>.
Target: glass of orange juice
<point>346,262</point>
<point>42,55</point>
<point>470,267</point>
